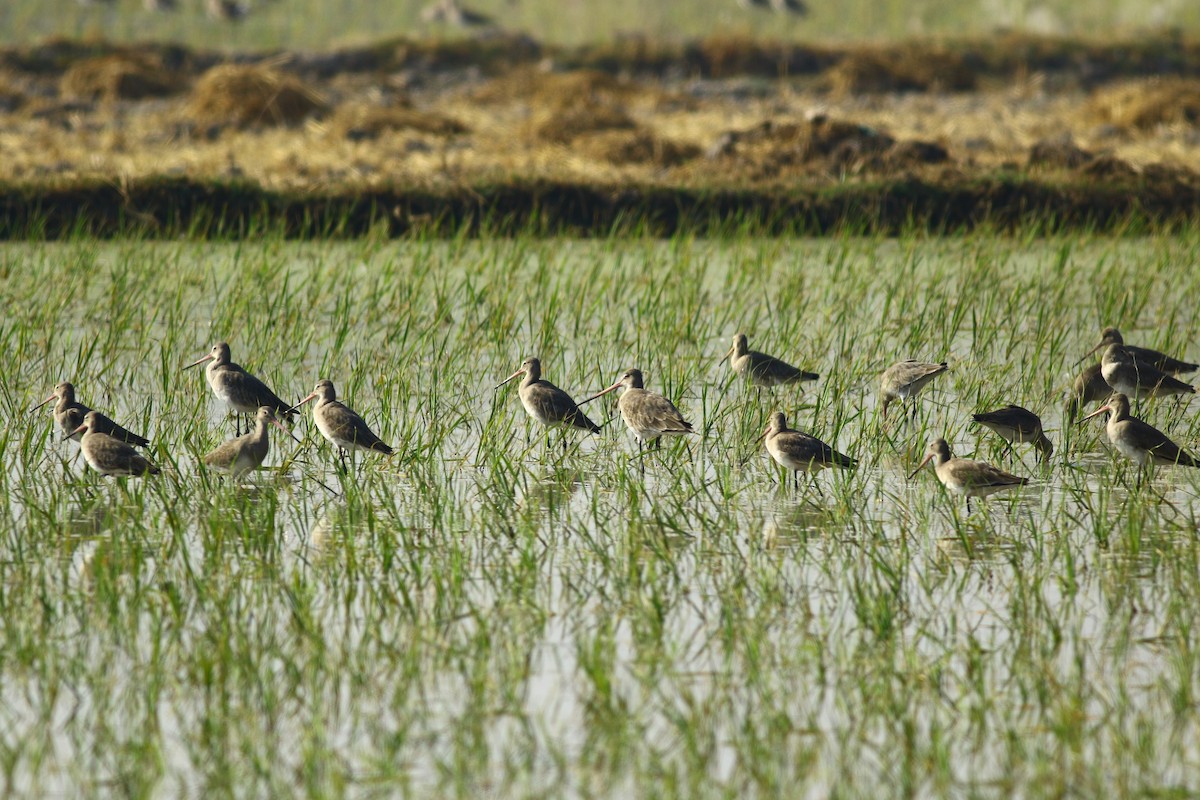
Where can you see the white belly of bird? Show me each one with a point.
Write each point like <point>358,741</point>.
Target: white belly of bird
<point>225,396</point>
<point>93,463</point>
<point>648,434</point>
<point>1135,454</point>
<point>1009,434</point>
<point>787,461</point>
<point>329,434</point>
<point>544,420</point>
<point>643,434</point>
<point>242,463</point>
<point>1118,380</point>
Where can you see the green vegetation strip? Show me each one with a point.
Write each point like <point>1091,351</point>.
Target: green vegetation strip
<point>171,208</point>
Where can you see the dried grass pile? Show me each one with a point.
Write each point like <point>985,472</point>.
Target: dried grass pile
<point>564,125</point>
<point>121,76</point>
<point>821,145</point>
<point>902,69</point>
<point>637,147</point>
<point>1141,105</point>
<point>11,96</point>
<point>249,96</point>
<point>540,88</point>
<point>370,122</point>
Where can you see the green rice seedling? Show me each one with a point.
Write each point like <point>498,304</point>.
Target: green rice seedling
<point>481,613</point>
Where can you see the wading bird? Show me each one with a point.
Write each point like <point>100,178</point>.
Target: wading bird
<point>1138,441</point>
<point>247,452</point>
<point>964,476</point>
<point>762,370</point>
<point>1160,361</point>
<point>799,452</point>
<point>906,379</point>
<point>547,403</point>
<point>1017,425</point>
<point>69,414</point>
<point>239,390</point>
<point>340,424</point>
<point>1089,387</point>
<point>1135,378</point>
<point>108,455</point>
<point>649,415</point>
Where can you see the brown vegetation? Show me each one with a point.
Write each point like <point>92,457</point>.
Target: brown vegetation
<point>120,76</point>
<point>360,121</point>
<point>901,69</point>
<point>1146,104</point>
<point>251,96</point>
<point>425,115</point>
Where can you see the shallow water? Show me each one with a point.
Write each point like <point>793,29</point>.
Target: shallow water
<point>479,615</point>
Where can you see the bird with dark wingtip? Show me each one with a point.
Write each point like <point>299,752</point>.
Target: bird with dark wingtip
<point>1017,425</point>
<point>69,414</point>
<point>1160,361</point>
<point>800,452</point>
<point>762,370</point>
<point>1137,440</point>
<point>340,424</point>
<point>547,403</point>
<point>247,452</point>
<point>238,389</point>
<point>1135,378</point>
<point>648,415</point>
<point>904,380</point>
<point>108,455</point>
<point>964,476</point>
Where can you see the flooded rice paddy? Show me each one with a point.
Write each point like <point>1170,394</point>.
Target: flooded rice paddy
<point>484,615</point>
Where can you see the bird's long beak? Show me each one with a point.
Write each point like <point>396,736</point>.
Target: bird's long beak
<point>200,361</point>
<point>616,385</point>
<point>762,436</point>
<point>297,406</point>
<point>47,400</point>
<point>82,428</point>
<point>1096,413</point>
<point>1088,353</point>
<point>921,466</point>
<point>281,427</point>
<point>509,378</point>
<point>728,353</point>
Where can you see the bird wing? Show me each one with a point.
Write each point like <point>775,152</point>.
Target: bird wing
<point>660,413</point>
<point>980,474</point>
<point>1158,444</point>
<point>106,425</point>
<point>809,449</point>
<point>764,365</point>
<point>552,403</point>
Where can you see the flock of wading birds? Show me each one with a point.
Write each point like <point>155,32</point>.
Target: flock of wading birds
<point>1123,372</point>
